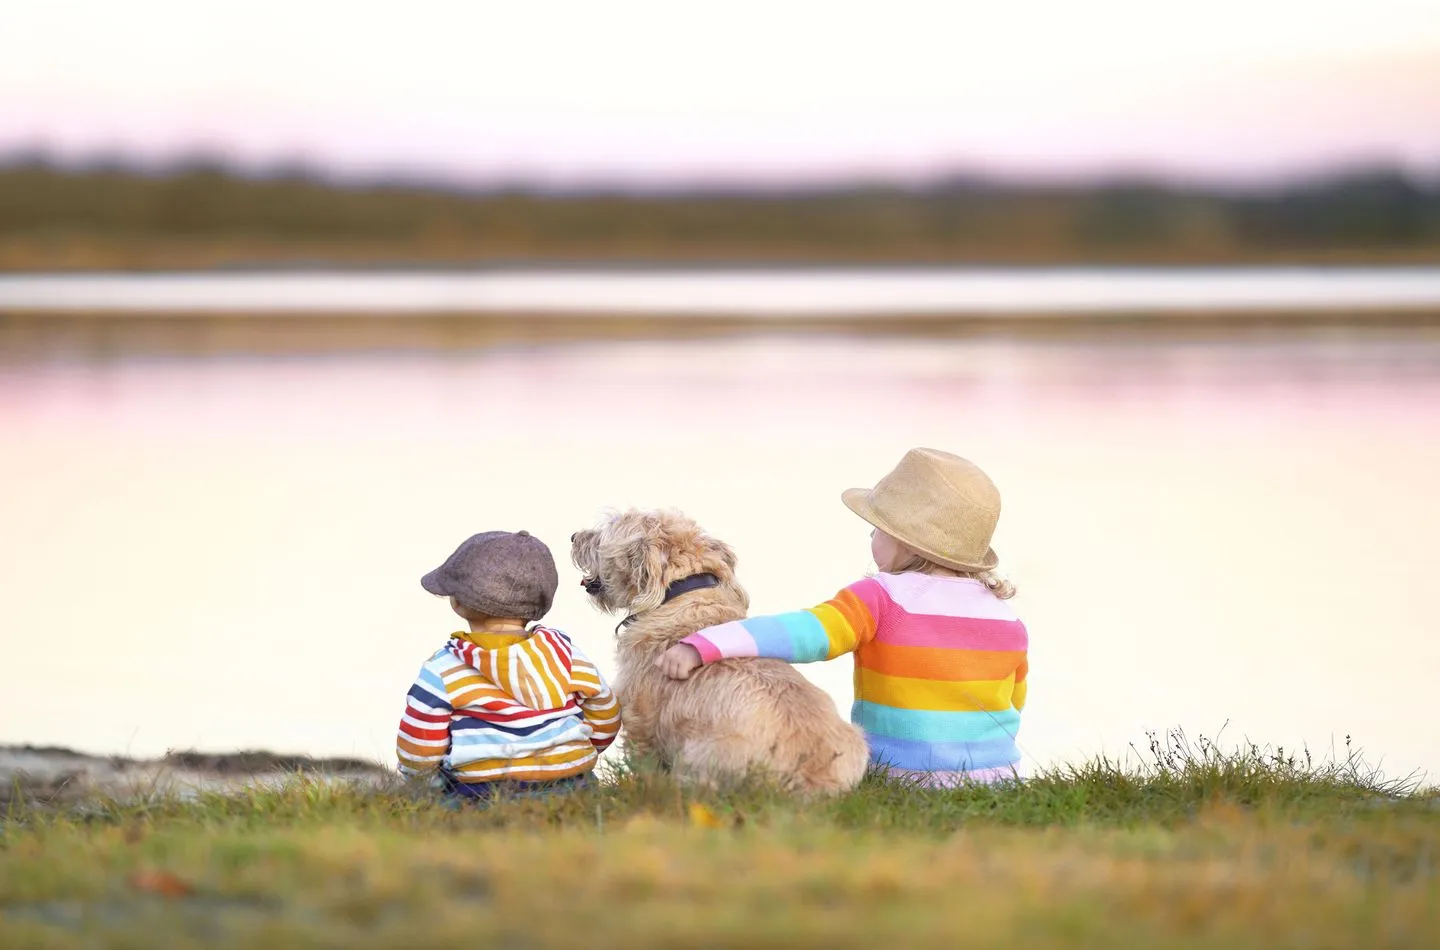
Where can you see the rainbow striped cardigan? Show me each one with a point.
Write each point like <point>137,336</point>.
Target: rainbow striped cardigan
<point>940,667</point>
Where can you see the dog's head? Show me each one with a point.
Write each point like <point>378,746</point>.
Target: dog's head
<point>631,557</point>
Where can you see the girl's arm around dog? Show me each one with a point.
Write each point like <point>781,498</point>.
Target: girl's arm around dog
<point>840,625</point>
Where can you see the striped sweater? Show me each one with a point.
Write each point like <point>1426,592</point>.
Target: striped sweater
<point>940,668</point>
<point>528,708</point>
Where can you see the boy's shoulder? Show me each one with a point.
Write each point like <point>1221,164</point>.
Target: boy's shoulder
<point>442,659</point>
<point>553,632</point>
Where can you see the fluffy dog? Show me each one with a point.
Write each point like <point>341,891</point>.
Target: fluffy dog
<point>732,718</point>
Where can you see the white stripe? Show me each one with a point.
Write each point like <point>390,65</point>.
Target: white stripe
<point>918,593</point>
<point>552,667</point>
<point>412,703</point>
<point>422,724</point>
<point>530,679</point>
<point>402,734</point>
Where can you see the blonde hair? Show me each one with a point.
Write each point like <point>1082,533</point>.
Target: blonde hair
<point>919,564</point>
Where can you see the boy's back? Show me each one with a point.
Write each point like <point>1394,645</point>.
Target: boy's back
<point>528,708</point>
<point>508,702</point>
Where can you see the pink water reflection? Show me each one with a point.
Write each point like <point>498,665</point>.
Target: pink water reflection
<point>1201,532</point>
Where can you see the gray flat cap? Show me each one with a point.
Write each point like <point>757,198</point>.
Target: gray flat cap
<point>499,574</point>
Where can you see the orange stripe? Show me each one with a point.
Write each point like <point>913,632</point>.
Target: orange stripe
<point>580,757</point>
<point>403,744</point>
<point>856,614</point>
<point>1023,670</point>
<point>935,663</point>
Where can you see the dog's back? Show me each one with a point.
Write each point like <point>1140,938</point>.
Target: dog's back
<point>729,720</point>
<point>735,718</point>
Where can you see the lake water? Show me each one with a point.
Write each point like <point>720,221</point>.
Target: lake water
<point>225,551</point>
<point>756,291</point>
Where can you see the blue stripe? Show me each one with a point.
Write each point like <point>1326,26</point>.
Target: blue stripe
<point>942,756</point>
<point>928,725</point>
<point>429,699</point>
<point>463,725</point>
<point>807,634</point>
<point>771,637</point>
<point>567,730</point>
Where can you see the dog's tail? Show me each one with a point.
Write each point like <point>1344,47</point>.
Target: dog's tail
<point>835,760</point>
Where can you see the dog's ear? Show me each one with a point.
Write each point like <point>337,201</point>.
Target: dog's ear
<point>717,550</point>
<point>648,559</point>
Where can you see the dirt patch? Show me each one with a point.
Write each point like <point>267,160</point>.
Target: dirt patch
<point>51,775</point>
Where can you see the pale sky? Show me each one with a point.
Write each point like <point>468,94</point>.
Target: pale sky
<point>667,92</point>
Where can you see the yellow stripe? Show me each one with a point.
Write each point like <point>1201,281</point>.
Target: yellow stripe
<point>1022,691</point>
<point>478,694</point>
<point>938,695</point>
<point>579,757</point>
<point>837,629</point>
<point>492,641</point>
<point>547,672</point>
<point>569,752</point>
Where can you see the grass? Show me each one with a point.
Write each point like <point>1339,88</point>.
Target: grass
<point>1197,847</point>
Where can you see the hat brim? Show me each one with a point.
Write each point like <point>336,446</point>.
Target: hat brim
<point>858,501</point>
<point>432,582</point>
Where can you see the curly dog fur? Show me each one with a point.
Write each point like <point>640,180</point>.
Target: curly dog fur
<point>730,719</point>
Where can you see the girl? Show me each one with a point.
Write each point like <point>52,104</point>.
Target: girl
<point>940,657</point>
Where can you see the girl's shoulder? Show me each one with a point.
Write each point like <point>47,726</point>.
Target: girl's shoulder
<point>943,596</point>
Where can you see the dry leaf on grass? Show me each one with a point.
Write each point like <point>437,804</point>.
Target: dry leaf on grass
<point>161,882</point>
<point>702,817</point>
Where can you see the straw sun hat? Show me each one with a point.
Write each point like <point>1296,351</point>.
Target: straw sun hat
<point>937,504</point>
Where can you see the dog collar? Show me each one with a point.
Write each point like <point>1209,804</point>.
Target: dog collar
<point>683,586</point>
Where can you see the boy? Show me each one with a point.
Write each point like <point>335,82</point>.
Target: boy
<point>508,706</point>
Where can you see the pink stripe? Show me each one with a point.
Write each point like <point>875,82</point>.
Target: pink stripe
<point>722,640</point>
<point>872,595</point>
<point>709,652</point>
<point>952,633</point>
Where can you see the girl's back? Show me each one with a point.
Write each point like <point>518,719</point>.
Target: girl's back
<point>940,658</point>
<point>940,684</point>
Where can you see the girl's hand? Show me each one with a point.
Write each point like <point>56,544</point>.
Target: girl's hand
<point>679,661</point>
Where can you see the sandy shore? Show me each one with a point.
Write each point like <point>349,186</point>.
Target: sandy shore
<point>49,335</point>
<point>51,775</point>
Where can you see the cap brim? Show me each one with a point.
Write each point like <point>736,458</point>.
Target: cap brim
<point>433,583</point>
<point>858,501</point>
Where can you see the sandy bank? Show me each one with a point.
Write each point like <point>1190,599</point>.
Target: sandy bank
<point>51,775</point>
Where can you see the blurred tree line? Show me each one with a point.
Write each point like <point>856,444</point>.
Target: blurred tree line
<point>198,212</point>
